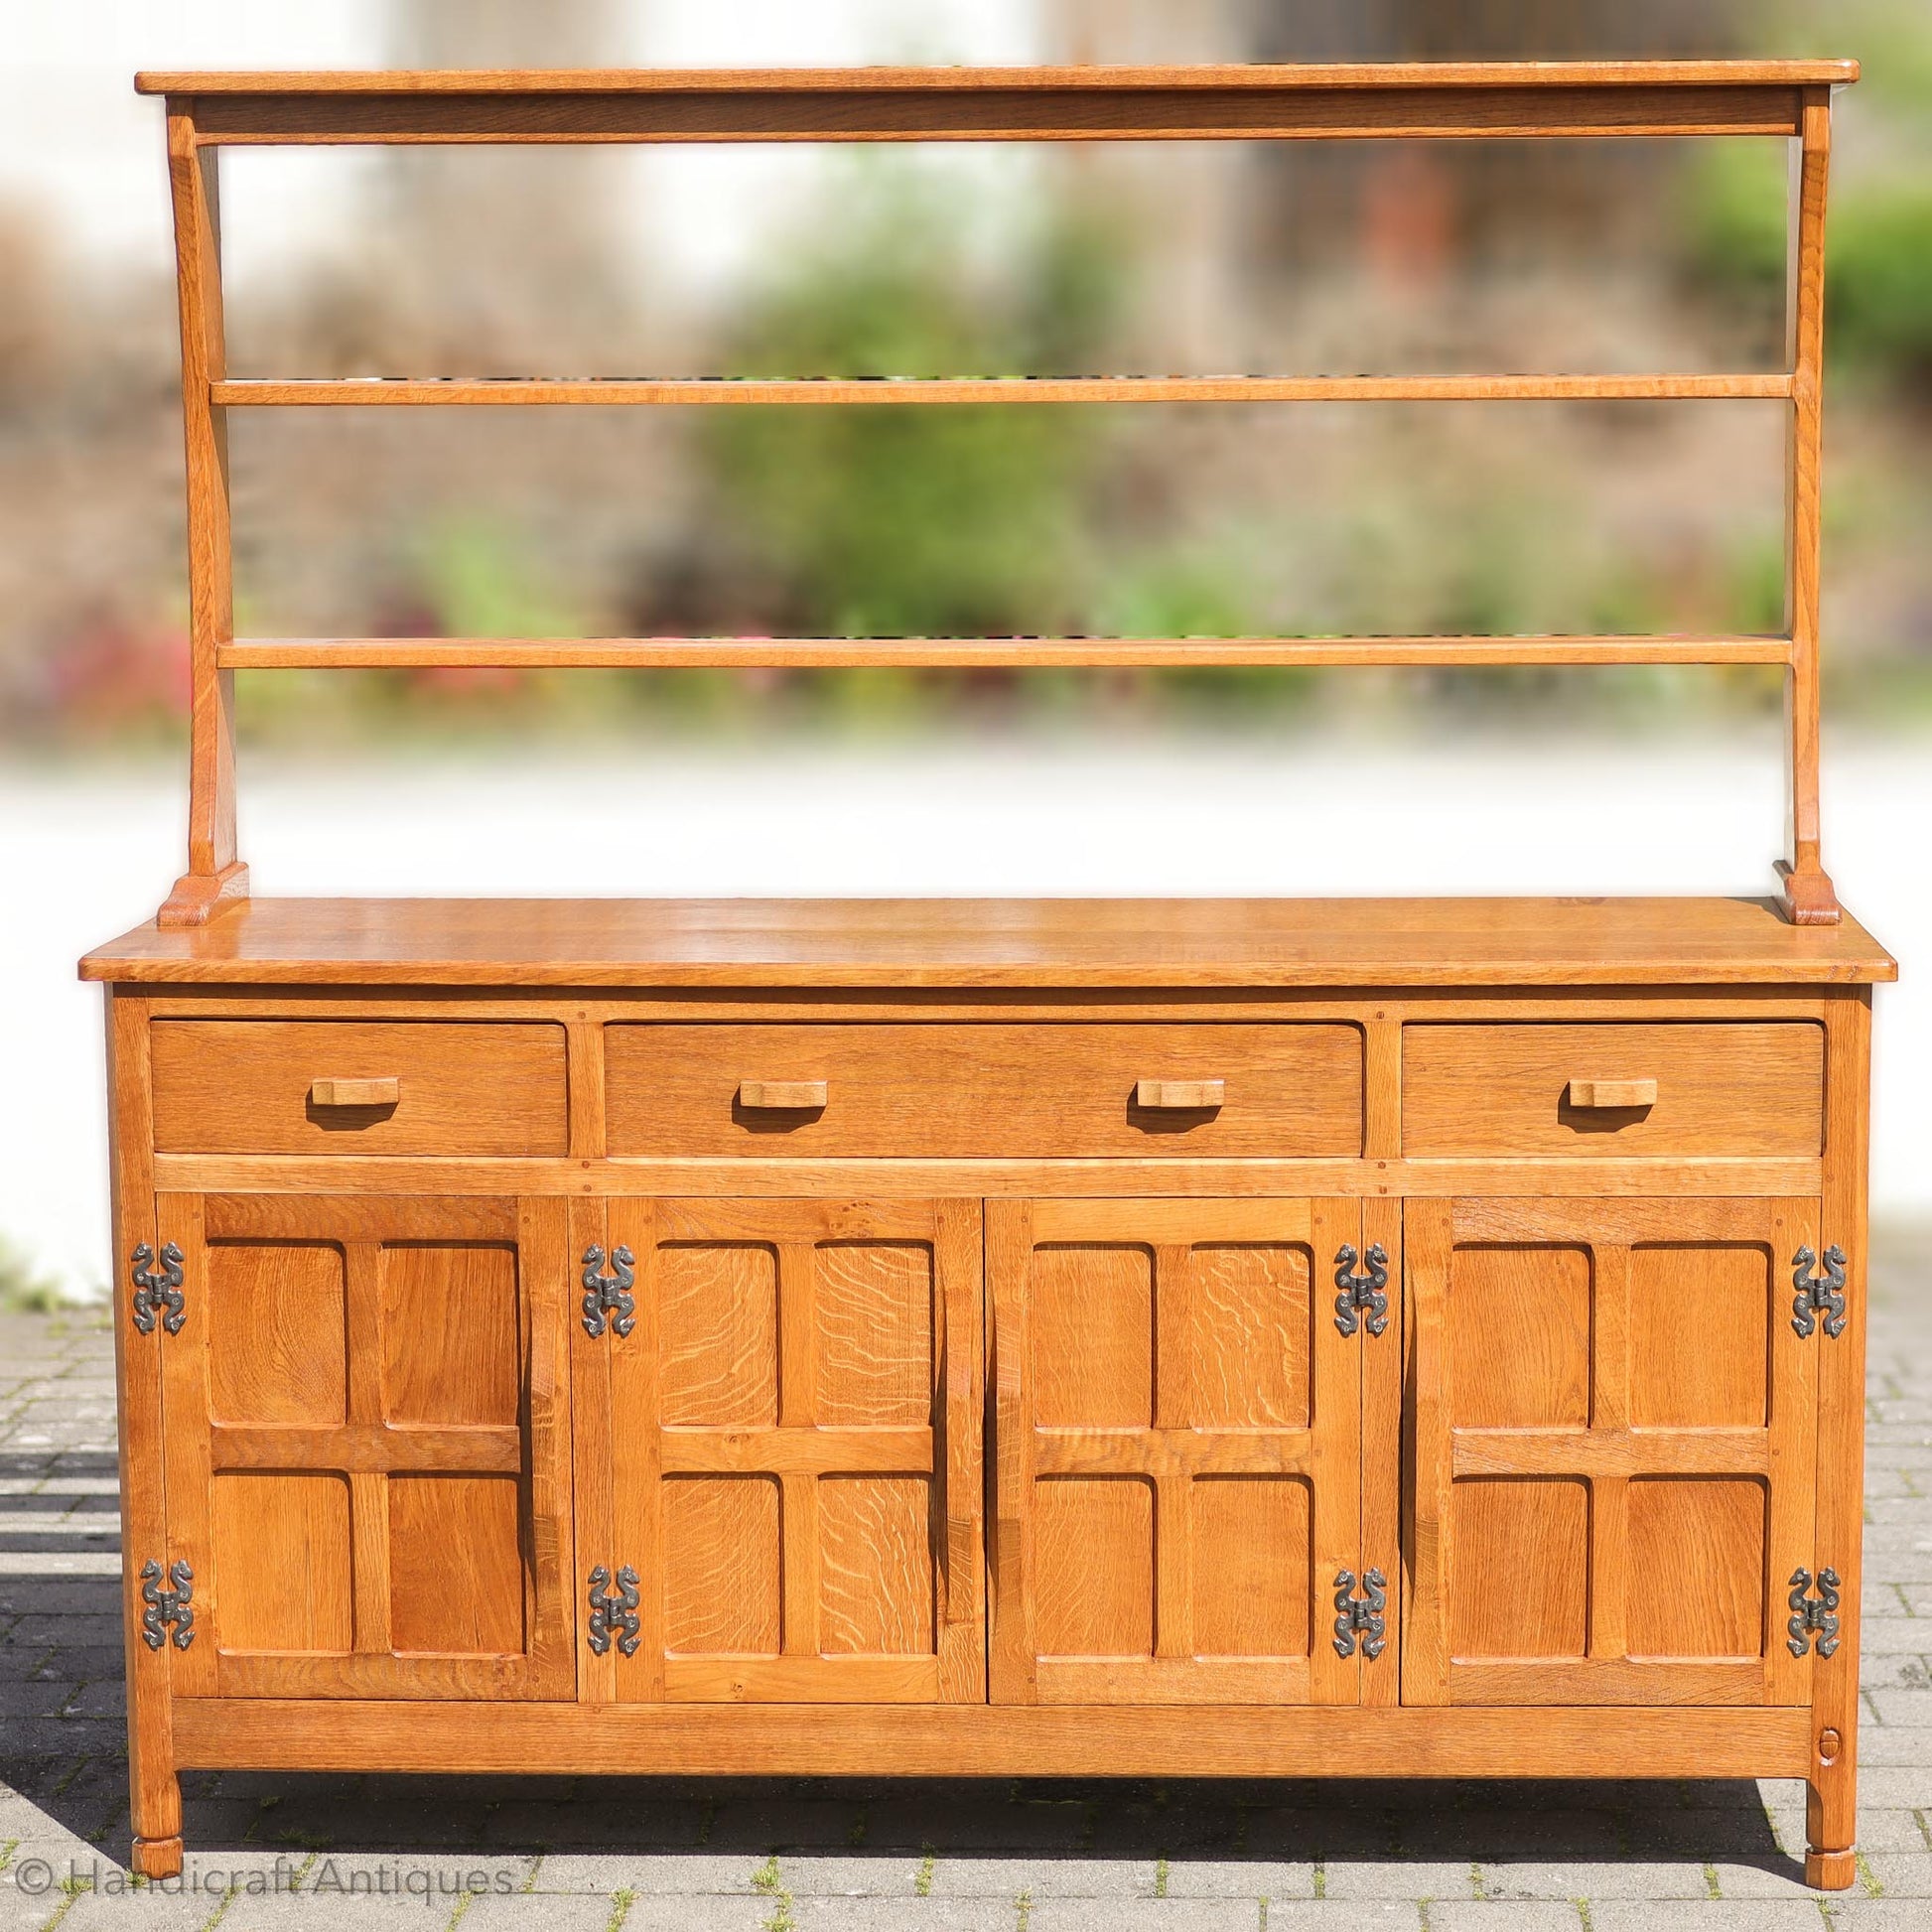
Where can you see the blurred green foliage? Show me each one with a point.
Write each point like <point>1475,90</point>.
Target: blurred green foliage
<point>904,520</point>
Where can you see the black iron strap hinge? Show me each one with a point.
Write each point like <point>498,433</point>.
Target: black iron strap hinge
<point>1362,1302</point>
<point>1360,1618</point>
<point>613,1614</point>
<point>167,1607</point>
<point>1813,1620</point>
<point>607,1297</point>
<point>157,1290</point>
<point>1818,1295</point>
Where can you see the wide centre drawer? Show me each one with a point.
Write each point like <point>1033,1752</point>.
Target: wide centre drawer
<point>986,1090</point>
<point>1615,1089</point>
<point>380,1086</point>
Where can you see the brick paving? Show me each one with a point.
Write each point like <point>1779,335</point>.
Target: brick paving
<point>821,1854</point>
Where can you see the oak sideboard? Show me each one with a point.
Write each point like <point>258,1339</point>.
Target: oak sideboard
<point>1186,1338</point>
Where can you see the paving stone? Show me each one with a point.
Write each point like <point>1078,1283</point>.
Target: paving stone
<point>1707,1915</point>
<point>1626,1879</point>
<point>1462,1914</point>
<point>904,1915</point>
<point>1396,1878</point>
<point>525,1912</point>
<point>1150,1915</point>
<point>1044,1878</point>
<point>1239,1878</point>
<point>1900,1873</point>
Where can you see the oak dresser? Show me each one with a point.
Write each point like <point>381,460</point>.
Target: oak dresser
<point>1199,1337</point>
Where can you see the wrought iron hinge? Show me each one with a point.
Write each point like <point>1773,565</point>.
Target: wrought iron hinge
<point>1360,1620</point>
<point>1809,1619</point>
<point>613,1614</point>
<point>609,1295</point>
<point>1818,1293</point>
<point>167,1606</point>
<point>157,1290</point>
<point>1362,1295</point>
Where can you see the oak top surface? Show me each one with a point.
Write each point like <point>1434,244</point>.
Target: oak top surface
<point>1433,74</point>
<point>883,943</point>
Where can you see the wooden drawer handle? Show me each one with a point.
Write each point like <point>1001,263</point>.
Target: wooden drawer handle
<point>782,1096</point>
<point>1613,1093</point>
<point>355,1093</point>
<point>1180,1095</point>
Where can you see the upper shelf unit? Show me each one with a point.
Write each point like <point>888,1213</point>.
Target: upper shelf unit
<point>1486,100</point>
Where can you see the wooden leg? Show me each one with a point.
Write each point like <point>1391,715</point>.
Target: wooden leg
<point>1831,1824</point>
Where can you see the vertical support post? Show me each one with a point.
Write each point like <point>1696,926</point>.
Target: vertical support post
<point>214,874</point>
<point>1809,897</point>
<point>154,1787</point>
<point>1831,1782</point>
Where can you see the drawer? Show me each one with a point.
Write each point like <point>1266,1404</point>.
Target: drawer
<point>983,1090</point>
<point>334,1087</point>
<point>1616,1089</point>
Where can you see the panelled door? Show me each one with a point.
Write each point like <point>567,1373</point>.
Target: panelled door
<point>1613,1450</point>
<point>1177,1438</point>
<point>368,1455</point>
<point>778,1425</point>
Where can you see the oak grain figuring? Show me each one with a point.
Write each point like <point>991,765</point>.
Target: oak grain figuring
<point>955,1092</point>
<point>1061,944</point>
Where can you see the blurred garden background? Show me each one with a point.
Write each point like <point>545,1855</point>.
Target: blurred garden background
<point>1173,521</point>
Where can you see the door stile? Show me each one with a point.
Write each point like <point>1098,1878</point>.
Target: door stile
<point>544,1276</point>
<point>187,1455</point>
<point>1609,1408</point>
<point>633,1453</point>
<point>959,1249</point>
<point>1014,1675</point>
<point>1792,1544</point>
<point>1427,1227</point>
<point>594,1449</point>
<point>1381,1448</point>
<point>369,1490</point>
<point>1334,1457</point>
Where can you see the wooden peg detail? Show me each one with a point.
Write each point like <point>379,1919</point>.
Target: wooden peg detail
<point>782,1096</point>
<point>1180,1096</point>
<point>1613,1093</point>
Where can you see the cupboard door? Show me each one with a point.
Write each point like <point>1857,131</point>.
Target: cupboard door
<point>368,1449</point>
<point>1614,1441</point>
<point>792,1429</point>
<point>1177,1438</point>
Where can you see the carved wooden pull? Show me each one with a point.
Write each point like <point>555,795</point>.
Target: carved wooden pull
<point>1613,1093</point>
<point>782,1096</point>
<point>1180,1095</point>
<point>356,1093</point>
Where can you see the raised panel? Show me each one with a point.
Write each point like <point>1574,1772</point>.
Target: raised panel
<point>718,1311</point>
<point>1096,1567</point>
<point>1700,1335</point>
<point>873,1308</point>
<point>1519,1576</point>
<point>874,1547</point>
<point>456,1570</point>
<point>451,1338</point>
<point>1252,1308</point>
<point>1519,1336</point>
<point>1093,1337</point>
<point>723,1593</point>
<point>282,1567</point>
<point>1251,1595</point>
<point>278,1351</point>
<point>1696,1570</point>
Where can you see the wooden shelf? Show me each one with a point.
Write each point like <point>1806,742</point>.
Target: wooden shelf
<point>373,392</point>
<point>1036,653</point>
